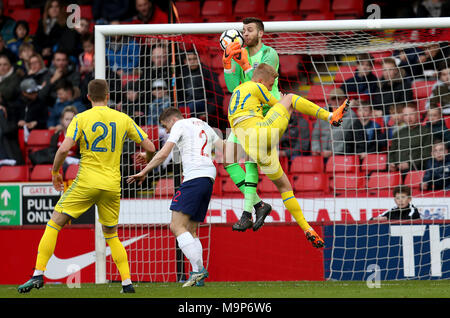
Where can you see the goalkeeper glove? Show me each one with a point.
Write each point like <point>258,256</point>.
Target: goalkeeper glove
<point>230,51</point>
<point>242,60</point>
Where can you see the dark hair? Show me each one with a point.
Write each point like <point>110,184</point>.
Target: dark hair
<point>98,90</point>
<point>65,85</point>
<point>257,21</point>
<point>88,37</point>
<point>402,189</point>
<point>169,112</point>
<point>24,24</point>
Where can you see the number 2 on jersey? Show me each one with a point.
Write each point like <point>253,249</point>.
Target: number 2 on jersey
<point>103,136</point>
<point>204,145</point>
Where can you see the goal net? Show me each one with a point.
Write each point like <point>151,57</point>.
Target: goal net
<point>395,134</point>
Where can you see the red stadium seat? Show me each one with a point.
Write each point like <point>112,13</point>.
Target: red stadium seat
<point>422,89</point>
<point>319,93</point>
<point>374,162</point>
<point>86,12</point>
<point>307,7</point>
<point>153,134</point>
<point>343,182</point>
<point>344,73</point>
<point>289,65</point>
<point>310,182</point>
<point>249,8</point>
<point>189,11</point>
<point>14,173</point>
<point>342,163</point>
<point>319,16</point>
<point>414,179</point>
<point>277,7</point>
<point>382,183</point>
<point>32,16</point>
<point>39,138</point>
<point>13,4</point>
<point>217,10</point>
<point>186,111</point>
<point>164,188</point>
<point>41,173</point>
<point>348,8</point>
<point>265,185</point>
<point>71,172</point>
<point>307,164</point>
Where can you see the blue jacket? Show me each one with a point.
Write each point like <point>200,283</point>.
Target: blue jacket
<point>438,173</point>
<point>57,109</point>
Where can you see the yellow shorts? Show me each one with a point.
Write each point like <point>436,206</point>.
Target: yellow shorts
<point>260,138</point>
<point>77,200</point>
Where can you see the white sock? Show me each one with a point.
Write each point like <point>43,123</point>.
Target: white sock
<point>200,249</point>
<point>189,248</point>
<point>126,282</point>
<point>38,272</point>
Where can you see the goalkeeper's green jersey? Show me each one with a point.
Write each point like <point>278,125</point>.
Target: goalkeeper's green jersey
<point>266,55</point>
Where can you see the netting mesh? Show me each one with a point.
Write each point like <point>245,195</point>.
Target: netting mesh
<point>398,83</point>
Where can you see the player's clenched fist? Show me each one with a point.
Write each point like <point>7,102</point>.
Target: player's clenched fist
<point>231,50</point>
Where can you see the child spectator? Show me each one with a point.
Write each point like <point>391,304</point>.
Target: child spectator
<point>65,96</point>
<point>437,126</point>
<point>46,155</point>
<point>160,101</point>
<point>375,137</point>
<point>437,169</point>
<point>440,96</point>
<point>21,35</point>
<point>26,50</point>
<point>404,209</point>
<point>394,121</point>
<point>86,59</point>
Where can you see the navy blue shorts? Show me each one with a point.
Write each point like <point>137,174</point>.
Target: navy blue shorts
<point>193,198</point>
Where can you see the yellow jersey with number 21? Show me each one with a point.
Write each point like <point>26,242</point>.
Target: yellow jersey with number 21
<point>101,132</point>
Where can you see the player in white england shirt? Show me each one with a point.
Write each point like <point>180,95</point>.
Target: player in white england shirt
<point>195,140</point>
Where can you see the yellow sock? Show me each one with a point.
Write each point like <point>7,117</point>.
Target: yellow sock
<point>119,255</point>
<point>291,203</point>
<point>47,245</point>
<point>309,108</point>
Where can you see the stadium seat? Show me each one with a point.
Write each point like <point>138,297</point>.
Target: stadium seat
<point>217,11</point>
<point>249,8</point>
<point>32,16</point>
<point>447,121</point>
<point>266,186</point>
<point>71,172</point>
<point>310,182</point>
<point>41,173</point>
<point>153,134</point>
<point>344,73</point>
<point>319,16</point>
<point>306,164</point>
<point>39,138</point>
<point>374,162</point>
<point>189,11</point>
<point>164,188</point>
<point>307,7</point>
<point>382,183</point>
<point>186,111</point>
<point>86,12</point>
<point>414,179</point>
<point>289,65</point>
<point>13,4</point>
<point>342,163</point>
<point>348,8</point>
<point>343,182</point>
<point>422,89</point>
<point>14,173</point>
<point>285,7</point>
<point>319,93</point>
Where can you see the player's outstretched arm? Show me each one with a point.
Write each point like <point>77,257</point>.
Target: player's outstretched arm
<point>150,150</point>
<point>60,156</point>
<point>157,160</point>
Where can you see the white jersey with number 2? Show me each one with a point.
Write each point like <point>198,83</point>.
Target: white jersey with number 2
<point>195,139</point>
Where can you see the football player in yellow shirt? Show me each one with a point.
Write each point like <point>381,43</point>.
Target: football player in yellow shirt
<point>259,135</point>
<point>101,132</point>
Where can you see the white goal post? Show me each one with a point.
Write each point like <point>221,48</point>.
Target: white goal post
<point>103,31</point>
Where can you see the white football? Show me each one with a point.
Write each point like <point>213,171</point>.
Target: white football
<point>230,36</point>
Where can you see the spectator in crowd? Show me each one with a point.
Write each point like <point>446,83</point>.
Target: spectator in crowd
<point>149,13</point>
<point>394,88</point>
<point>431,60</point>
<point>37,69</point>
<point>122,53</point>
<point>21,35</point>
<point>10,153</point>
<point>51,28</point>
<point>394,120</point>
<point>200,82</point>
<point>347,139</point>
<point>411,144</point>
<point>6,25</point>
<point>433,9</point>
<point>160,101</point>
<point>296,139</point>
<point>31,111</point>
<point>60,70</point>
<point>46,155</point>
<point>404,209</point>
<point>86,59</point>
<point>375,136</point>
<point>364,82</point>
<point>9,81</point>
<point>5,51</point>
<point>440,96</point>
<point>408,60</point>
<point>133,102</point>
<point>84,27</point>
<point>436,125</point>
<point>105,11</point>
<point>437,168</point>
<point>158,66</point>
<point>26,50</point>
<point>67,95</point>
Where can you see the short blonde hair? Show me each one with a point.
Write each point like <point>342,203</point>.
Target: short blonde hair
<point>264,71</point>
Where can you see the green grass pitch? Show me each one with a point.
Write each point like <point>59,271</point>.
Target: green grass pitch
<point>261,290</point>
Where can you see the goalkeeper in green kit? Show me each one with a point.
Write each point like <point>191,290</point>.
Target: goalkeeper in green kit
<point>239,64</point>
